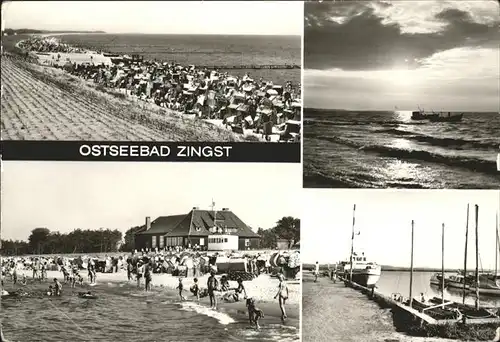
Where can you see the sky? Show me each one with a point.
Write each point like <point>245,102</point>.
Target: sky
<point>383,219</point>
<point>173,17</point>
<point>379,54</point>
<point>63,196</point>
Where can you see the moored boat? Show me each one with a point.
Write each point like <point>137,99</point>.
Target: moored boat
<point>364,272</point>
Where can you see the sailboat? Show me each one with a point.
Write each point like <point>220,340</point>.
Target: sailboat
<point>489,283</point>
<point>359,270</point>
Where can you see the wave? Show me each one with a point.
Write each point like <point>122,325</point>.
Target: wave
<point>221,317</point>
<point>442,142</point>
<point>473,164</point>
<point>389,123</point>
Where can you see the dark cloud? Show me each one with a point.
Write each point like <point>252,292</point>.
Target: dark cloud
<point>363,42</point>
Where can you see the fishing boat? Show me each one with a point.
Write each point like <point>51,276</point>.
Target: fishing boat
<point>457,281</point>
<point>441,117</point>
<point>358,269</point>
<point>489,285</point>
<point>436,279</point>
<point>420,114</point>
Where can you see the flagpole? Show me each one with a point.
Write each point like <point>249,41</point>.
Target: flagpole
<point>465,256</point>
<point>352,239</point>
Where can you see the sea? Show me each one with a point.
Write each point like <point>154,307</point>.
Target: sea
<point>205,50</point>
<point>122,312</point>
<point>386,149</point>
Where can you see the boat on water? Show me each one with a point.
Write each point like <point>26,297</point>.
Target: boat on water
<point>489,285</point>
<point>365,273</point>
<point>358,269</point>
<point>421,115</point>
<point>446,117</point>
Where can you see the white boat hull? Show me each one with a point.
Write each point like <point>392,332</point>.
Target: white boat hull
<point>364,277</point>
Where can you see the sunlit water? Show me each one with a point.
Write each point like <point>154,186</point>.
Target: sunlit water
<point>124,313</point>
<point>389,150</point>
<point>205,50</point>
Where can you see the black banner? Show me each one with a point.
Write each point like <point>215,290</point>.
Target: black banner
<point>248,152</point>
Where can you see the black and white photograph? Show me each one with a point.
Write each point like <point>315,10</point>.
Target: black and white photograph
<point>401,94</point>
<point>150,252</point>
<point>199,71</point>
<point>400,265</point>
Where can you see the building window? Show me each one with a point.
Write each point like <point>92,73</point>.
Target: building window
<point>153,241</point>
<point>225,240</point>
<point>162,241</point>
<point>247,242</point>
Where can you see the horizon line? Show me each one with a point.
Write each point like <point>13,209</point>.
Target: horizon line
<point>397,110</point>
<point>44,31</point>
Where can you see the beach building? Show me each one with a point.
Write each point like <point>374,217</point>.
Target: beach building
<point>206,229</point>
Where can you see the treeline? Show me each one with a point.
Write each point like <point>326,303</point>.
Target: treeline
<point>287,228</point>
<point>31,31</point>
<point>43,241</point>
<point>20,31</point>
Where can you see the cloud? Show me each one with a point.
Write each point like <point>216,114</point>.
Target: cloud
<point>380,35</point>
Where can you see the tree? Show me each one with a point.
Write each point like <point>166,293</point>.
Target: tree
<point>287,228</point>
<point>129,244</point>
<point>37,239</point>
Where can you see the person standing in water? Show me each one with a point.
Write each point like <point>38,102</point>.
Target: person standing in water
<point>181,288</point>
<point>316,272</point>
<point>139,273</point>
<point>195,289</point>
<point>147,277</point>
<point>57,287</point>
<point>212,286</point>
<point>283,296</point>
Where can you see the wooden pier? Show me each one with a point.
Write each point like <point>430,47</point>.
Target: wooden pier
<point>418,316</point>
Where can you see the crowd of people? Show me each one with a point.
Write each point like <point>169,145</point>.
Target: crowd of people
<point>140,267</point>
<point>240,102</point>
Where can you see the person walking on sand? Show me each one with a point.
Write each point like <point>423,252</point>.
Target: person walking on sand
<point>316,272</point>
<point>212,286</point>
<point>283,296</point>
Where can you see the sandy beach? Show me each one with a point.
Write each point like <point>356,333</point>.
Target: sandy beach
<point>44,103</point>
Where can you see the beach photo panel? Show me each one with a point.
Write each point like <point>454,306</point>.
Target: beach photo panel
<point>160,72</point>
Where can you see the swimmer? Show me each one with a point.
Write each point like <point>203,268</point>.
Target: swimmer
<point>87,295</point>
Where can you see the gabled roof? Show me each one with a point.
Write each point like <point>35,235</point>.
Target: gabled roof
<point>198,222</point>
<point>163,225</point>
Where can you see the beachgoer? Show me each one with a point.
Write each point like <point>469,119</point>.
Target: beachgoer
<point>129,270</point>
<point>283,296</point>
<point>316,271</point>
<point>147,277</point>
<point>139,273</point>
<point>195,289</point>
<point>239,290</point>
<point>181,288</point>
<point>57,287</point>
<point>212,285</point>
<point>50,292</point>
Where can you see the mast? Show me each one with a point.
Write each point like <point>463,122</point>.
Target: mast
<point>465,256</point>
<point>442,263</point>
<point>411,265</point>
<point>352,239</point>
<point>496,245</point>
<point>477,259</point>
